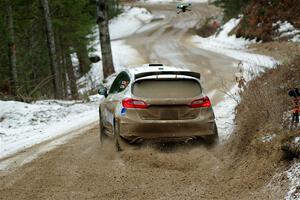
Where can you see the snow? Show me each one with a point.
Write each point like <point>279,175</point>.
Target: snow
<point>153,24</point>
<point>127,23</point>
<point>225,113</point>
<point>296,38</point>
<point>286,29</point>
<point>233,47</point>
<point>293,175</point>
<point>267,138</point>
<point>284,26</point>
<point>23,125</point>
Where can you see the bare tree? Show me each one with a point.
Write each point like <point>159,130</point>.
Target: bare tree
<point>52,51</point>
<point>102,21</point>
<point>12,47</point>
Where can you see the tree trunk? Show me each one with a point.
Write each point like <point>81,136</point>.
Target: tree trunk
<point>102,20</point>
<point>12,48</point>
<point>71,76</point>
<point>62,62</point>
<point>52,51</point>
<point>82,55</point>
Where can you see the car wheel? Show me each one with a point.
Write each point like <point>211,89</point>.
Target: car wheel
<point>102,135</point>
<point>212,140</point>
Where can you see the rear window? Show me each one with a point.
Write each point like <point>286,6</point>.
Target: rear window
<point>179,88</point>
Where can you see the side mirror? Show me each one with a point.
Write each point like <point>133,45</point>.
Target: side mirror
<point>94,59</point>
<point>103,91</point>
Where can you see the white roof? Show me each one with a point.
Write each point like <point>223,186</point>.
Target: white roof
<point>147,68</point>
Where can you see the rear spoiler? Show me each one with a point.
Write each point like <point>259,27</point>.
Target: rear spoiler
<point>184,73</point>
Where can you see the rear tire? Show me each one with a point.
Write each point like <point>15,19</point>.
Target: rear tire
<point>212,140</point>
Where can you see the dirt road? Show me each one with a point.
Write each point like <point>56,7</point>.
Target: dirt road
<point>80,169</point>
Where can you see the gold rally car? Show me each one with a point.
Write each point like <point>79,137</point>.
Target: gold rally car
<point>156,102</point>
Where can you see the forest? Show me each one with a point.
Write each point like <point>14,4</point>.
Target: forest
<point>38,38</point>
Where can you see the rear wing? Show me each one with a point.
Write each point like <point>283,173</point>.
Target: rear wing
<point>184,73</point>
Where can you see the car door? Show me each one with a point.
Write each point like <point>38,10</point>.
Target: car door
<point>115,95</point>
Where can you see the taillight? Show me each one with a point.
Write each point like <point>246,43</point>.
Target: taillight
<point>134,103</point>
<point>203,102</point>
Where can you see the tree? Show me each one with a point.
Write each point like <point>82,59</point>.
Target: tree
<point>35,58</point>
<point>82,54</point>
<point>232,8</point>
<point>12,48</point>
<point>102,20</point>
<point>52,51</point>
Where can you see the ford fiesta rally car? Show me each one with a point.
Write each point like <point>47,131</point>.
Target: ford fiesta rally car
<point>156,102</point>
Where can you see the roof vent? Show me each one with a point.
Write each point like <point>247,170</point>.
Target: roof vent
<point>155,65</point>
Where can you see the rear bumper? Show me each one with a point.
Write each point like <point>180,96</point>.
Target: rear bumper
<point>168,129</point>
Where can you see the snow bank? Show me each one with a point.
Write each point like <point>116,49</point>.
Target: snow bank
<point>127,23</point>
<point>232,46</point>
<point>251,64</point>
<point>225,113</point>
<point>22,125</point>
<point>286,29</point>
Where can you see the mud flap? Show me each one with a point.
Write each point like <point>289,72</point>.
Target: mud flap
<point>212,140</point>
<point>102,135</point>
<point>120,143</point>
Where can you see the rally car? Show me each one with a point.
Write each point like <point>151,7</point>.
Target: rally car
<point>158,103</point>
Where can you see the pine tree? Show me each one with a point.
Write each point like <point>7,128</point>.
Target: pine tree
<point>231,7</point>
<point>72,21</point>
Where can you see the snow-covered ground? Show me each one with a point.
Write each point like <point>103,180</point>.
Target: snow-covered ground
<point>293,175</point>
<point>233,47</point>
<point>127,23</point>
<point>286,29</point>
<point>23,125</point>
